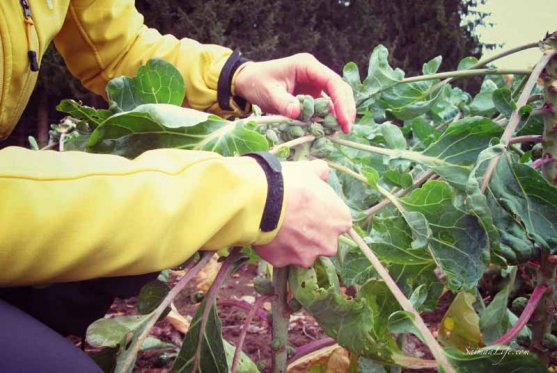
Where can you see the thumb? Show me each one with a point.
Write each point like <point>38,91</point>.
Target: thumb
<point>320,168</point>
<point>283,102</point>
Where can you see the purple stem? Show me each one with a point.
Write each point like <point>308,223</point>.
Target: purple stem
<point>527,138</point>
<point>546,158</point>
<point>227,266</point>
<point>262,314</point>
<point>312,346</point>
<point>535,298</point>
<point>256,306</point>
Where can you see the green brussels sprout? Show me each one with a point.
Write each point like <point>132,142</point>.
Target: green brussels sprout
<point>263,286</point>
<point>261,129</point>
<point>283,127</point>
<point>330,122</point>
<point>294,305</point>
<point>307,108</point>
<point>316,129</point>
<point>295,131</point>
<point>518,304</point>
<point>550,342</point>
<point>321,106</point>
<point>322,147</point>
<point>537,151</point>
<point>272,136</point>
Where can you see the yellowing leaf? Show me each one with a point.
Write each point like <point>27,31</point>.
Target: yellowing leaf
<point>460,326</point>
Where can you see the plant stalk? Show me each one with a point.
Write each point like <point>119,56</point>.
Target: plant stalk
<point>275,119</point>
<point>429,339</point>
<point>543,315</point>
<point>281,318</point>
<point>525,316</point>
<point>292,143</point>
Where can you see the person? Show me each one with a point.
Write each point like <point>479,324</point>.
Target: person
<point>70,217</point>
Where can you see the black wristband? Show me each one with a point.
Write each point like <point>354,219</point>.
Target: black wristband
<point>275,190</point>
<point>224,85</point>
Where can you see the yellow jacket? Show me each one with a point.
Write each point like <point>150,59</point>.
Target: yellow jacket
<point>71,216</point>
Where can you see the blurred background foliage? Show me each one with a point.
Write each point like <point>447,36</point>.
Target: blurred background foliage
<point>335,31</point>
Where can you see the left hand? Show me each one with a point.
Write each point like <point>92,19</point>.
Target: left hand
<point>272,85</point>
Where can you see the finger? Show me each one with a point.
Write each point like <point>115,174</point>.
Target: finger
<point>321,169</point>
<point>283,102</point>
<point>311,71</point>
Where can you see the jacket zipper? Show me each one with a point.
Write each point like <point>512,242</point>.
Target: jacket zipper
<point>32,37</point>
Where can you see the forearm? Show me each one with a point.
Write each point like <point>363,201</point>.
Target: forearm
<point>71,216</point>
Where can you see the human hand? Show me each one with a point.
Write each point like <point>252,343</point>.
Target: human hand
<point>314,217</point>
<point>272,85</point>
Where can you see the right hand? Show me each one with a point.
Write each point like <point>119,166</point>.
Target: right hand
<point>314,217</point>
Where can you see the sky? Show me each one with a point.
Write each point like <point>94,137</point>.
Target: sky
<point>517,22</point>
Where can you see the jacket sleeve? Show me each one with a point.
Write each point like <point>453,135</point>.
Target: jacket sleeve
<point>104,39</point>
<point>72,216</point>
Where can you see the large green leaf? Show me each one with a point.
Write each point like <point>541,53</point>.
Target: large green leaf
<point>494,320</point>
<point>458,244</point>
<point>112,332</point>
<point>523,204</point>
<point>157,82</point>
<point>410,100</point>
<point>380,75</point>
<point>212,357</point>
<point>483,104</point>
<point>458,148</point>
<point>358,324</point>
<point>502,99</point>
<point>154,126</point>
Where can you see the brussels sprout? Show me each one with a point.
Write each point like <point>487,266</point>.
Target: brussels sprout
<point>263,286</point>
<point>283,127</point>
<point>518,305</point>
<point>330,122</point>
<point>295,131</point>
<point>550,342</point>
<point>307,108</point>
<point>322,147</point>
<point>316,129</point>
<point>321,106</point>
<point>261,129</point>
<point>272,136</point>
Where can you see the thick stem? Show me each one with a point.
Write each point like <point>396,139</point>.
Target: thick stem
<point>136,344</point>
<point>543,316</point>
<point>275,119</point>
<point>256,306</point>
<point>535,298</point>
<point>292,143</point>
<point>429,339</point>
<point>281,318</point>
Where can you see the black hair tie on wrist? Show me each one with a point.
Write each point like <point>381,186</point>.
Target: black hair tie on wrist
<point>224,85</point>
<point>275,189</point>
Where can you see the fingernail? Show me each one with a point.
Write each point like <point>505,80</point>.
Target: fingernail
<point>290,109</point>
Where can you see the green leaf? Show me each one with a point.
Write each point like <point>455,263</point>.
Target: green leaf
<point>85,113</point>
<point>212,357</point>
<point>459,147</point>
<point>351,75</point>
<point>157,82</point>
<point>432,65</point>
<point>393,136</point>
<point>423,130</point>
<point>466,63</point>
<point>380,75</point>
<point>358,324</point>
<point>502,99</point>
<point>527,196</point>
<point>496,359</point>
<point>460,326</point>
<point>154,126</point>
<point>151,295</point>
<point>483,104</point>
<point>111,332</point>
<point>244,365</point>
<point>400,179</point>
<point>459,243</point>
<point>494,320</point>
